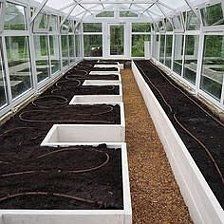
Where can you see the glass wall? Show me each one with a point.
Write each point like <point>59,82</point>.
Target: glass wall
<point>15,18</point>
<point>19,64</point>
<point>178,53</point>
<point>213,66</point>
<point>169,47</point>
<point>42,57</point>
<point>54,54</point>
<point>138,41</point>
<point>191,58</point>
<point>93,46</point>
<point>212,15</point>
<point>162,48</point>
<point>140,34</point>
<point>93,39</point>
<point>71,38</point>
<point>65,50</point>
<point>2,84</point>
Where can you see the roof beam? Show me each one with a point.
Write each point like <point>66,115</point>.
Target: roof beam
<point>152,4</point>
<point>38,10</point>
<point>120,2</point>
<point>80,4</point>
<point>69,13</point>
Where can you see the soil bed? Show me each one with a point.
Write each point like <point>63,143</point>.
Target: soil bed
<point>104,69</point>
<point>78,177</point>
<point>199,129</point>
<point>91,77</point>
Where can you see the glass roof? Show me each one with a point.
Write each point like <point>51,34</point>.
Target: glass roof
<point>153,9</point>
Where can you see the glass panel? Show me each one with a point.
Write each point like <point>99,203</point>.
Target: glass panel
<point>161,25</point>
<point>141,27</point>
<point>168,25</point>
<point>93,45</point>
<point>191,58</point>
<point>128,14</point>
<point>77,45</point>
<point>54,54</point>
<point>178,54</point>
<point>213,65</point>
<point>177,23</point>
<point>42,57</point>
<point>53,23</point>
<point>71,48</point>
<point>41,22</point>
<point>106,14</point>
<point>212,15</point>
<point>65,50</point>
<point>116,39</point>
<point>138,45</point>
<point>92,27</point>
<point>192,21</point>
<point>65,26</point>
<point>15,17</point>
<point>2,85</point>
<point>162,48</point>
<point>19,64</point>
<point>169,46</point>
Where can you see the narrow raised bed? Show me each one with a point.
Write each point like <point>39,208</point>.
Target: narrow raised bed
<point>201,201</point>
<point>101,82</point>
<point>80,216</point>
<point>104,71</point>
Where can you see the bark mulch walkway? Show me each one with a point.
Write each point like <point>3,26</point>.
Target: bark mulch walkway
<point>155,195</point>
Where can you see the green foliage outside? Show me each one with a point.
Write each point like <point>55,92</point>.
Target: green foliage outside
<point>141,27</point>
<point>92,27</point>
<point>212,15</point>
<point>138,45</point>
<point>92,45</point>
<point>128,14</point>
<point>106,14</point>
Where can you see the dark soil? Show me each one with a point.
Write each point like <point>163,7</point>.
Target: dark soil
<point>34,177</point>
<point>209,131</point>
<point>91,77</point>
<point>52,178</point>
<point>104,69</point>
<point>106,63</point>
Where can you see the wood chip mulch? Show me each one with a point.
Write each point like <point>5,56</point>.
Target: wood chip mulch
<point>155,194</point>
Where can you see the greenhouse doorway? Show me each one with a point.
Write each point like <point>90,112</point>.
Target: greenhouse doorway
<point>116,39</point>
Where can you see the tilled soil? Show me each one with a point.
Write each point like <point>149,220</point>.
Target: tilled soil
<point>79,177</point>
<point>199,129</point>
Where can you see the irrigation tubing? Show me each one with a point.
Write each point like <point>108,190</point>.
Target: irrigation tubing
<point>181,125</point>
<point>22,116</point>
<point>67,81</point>
<point>61,101</point>
<point>205,111</point>
<point>38,193</point>
<point>104,163</point>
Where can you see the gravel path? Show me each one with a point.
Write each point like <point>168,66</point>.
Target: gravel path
<point>155,195</point>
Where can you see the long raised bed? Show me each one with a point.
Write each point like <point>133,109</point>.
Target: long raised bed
<point>201,201</point>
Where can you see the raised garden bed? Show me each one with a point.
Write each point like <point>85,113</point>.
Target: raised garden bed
<point>198,146</point>
<point>92,186</point>
<point>67,134</point>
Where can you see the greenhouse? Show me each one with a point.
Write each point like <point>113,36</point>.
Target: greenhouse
<point>111,111</point>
